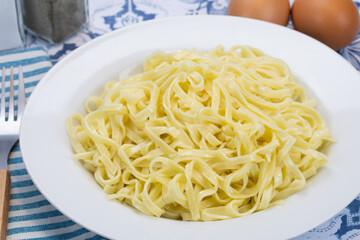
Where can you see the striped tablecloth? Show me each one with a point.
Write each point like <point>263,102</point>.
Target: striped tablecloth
<point>31,215</point>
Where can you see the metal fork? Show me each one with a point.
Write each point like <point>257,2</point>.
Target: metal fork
<point>9,134</point>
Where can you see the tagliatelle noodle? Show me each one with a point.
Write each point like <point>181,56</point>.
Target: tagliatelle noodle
<point>202,136</point>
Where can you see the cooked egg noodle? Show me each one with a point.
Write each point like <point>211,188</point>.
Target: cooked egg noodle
<point>202,136</point>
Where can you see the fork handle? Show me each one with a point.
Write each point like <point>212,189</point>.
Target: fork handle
<point>4,201</point>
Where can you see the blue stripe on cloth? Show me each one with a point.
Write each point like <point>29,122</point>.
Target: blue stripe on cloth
<point>21,184</point>
<point>16,160</point>
<point>68,235</point>
<point>25,62</point>
<point>28,74</point>
<point>30,84</point>
<point>29,205</point>
<point>16,148</point>
<point>39,228</point>
<point>25,194</point>
<point>35,216</point>
<point>18,172</point>
<point>22,51</point>
<point>96,237</point>
<point>27,85</point>
<point>36,72</point>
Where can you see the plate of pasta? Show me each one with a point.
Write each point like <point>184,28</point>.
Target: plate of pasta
<point>196,127</point>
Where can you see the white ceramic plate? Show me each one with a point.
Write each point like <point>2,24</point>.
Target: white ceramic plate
<point>70,188</point>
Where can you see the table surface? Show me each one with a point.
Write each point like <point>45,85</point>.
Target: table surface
<point>108,15</point>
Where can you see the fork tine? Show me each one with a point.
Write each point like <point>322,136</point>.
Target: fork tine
<point>21,94</point>
<point>2,104</point>
<point>11,99</point>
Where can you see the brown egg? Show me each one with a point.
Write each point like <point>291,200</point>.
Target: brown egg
<point>275,11</point>
<point>333,22</point>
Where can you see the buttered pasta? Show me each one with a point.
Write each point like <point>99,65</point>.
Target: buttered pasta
<point>202,136</point>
